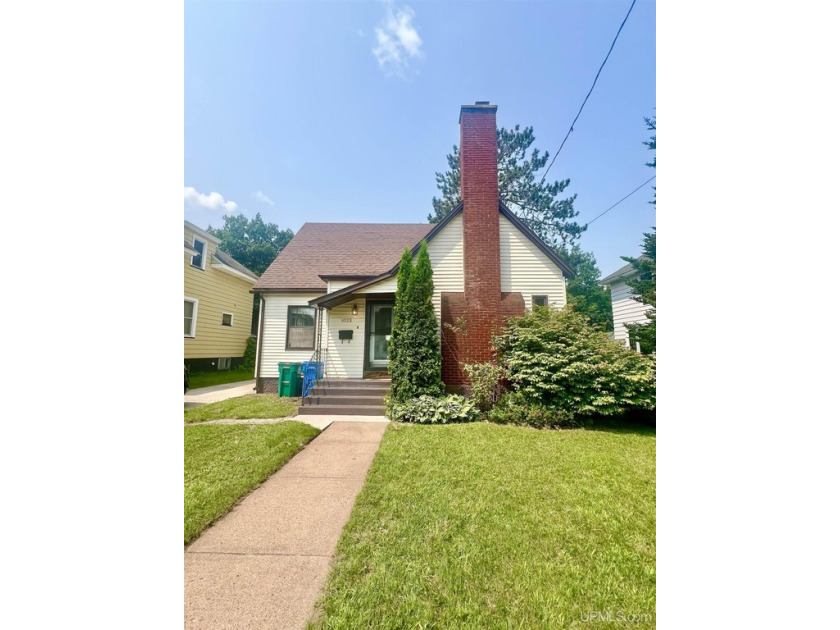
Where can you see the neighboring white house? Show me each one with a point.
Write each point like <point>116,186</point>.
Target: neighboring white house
<point>625,309</point>
<point>331,291</point>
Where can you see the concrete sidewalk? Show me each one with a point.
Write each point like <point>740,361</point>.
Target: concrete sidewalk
<point>204,395</point>
<point>265,563</point>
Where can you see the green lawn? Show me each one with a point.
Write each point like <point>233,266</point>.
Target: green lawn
<point>486,526</point>
<point>220,377</point>
<point>222,463</point>
<point>252,406</point>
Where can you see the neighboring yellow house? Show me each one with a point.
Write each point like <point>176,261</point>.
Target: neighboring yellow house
<point>217,303</point>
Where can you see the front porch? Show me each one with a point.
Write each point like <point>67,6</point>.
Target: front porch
<point>355,336</point>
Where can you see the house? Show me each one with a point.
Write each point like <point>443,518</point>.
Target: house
<point>626,309</point>
<point>331,290</point>
<point>218,303</point>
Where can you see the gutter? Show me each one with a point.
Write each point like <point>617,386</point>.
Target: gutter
<point>260,331</point>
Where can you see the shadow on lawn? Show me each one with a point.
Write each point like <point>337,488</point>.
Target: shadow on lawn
<point>641,422</point>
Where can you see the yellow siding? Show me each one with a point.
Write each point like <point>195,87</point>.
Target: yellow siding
<point>526,270</point>
<point>216,292</point>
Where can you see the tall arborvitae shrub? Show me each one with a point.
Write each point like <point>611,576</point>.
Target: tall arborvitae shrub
<point>397,364</point>
<point>426,373</point>
<point>414,350</point>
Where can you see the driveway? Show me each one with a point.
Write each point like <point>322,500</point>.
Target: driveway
<point>204,395</point>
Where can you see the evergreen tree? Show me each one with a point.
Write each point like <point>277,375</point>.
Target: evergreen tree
<point>396,346</point>
<point>414,350</point>
<point>520,190</point>
<point>427,367</point>
<point>583,292</point>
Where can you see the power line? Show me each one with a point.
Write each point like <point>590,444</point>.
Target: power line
<point>588,223</point>
<point>572,127</point>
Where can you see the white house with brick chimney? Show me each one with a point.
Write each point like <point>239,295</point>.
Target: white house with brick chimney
<point>330,293</point>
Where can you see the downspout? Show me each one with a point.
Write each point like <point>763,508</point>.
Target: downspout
<point>260,326</point>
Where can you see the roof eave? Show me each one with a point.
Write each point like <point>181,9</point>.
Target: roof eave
<point>233,272</point>
<point>536,240</point>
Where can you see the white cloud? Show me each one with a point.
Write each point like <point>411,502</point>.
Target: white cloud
<point>213,201</point>
<point>397,41</point>
<point>261,196</point>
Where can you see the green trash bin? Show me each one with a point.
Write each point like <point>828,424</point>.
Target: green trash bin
<point>290,380</point>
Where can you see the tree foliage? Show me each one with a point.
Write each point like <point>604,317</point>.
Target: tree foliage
<point>519,188</point>
<point>557,359</point>
<point>644,286</point>
<point>414,350</point>
<point>583,292</point>
<point>644,289</point>
<point>253,243</point>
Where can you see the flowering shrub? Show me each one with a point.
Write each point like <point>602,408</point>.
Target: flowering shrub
<point>557,359</point>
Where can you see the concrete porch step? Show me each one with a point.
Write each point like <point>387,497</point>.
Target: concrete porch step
<point>358,382</point>
<point>349,391</point>
<point>343,399</point>
<point>341,410</point>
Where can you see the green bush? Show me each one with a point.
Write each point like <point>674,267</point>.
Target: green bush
<point>512,408</point>
<point>557,359</point>
<point>249,359</point>
<point>433,410</point>
<point>414,348</point>
<point>485,387</point>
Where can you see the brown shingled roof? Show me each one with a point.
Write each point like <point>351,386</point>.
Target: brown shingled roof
<point>339,249</point>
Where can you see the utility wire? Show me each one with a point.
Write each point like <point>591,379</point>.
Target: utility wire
<point>588,223</point>
<point>572,127</point>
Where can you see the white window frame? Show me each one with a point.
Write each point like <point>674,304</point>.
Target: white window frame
<point>534,303</point>
<point>194,317</point>
<point>223,320</point>
<point>289,308</point>
<point>203,253</point>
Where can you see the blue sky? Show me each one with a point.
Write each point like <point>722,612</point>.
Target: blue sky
<point>326,111</point>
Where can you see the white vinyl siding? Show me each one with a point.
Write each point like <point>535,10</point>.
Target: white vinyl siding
<point>526,269</point>
<point>337,285</point>
<point>626,310</point>
<point>388,285</point>
<point>274,332</point>
<point>346,359</point>
<point>446,252</point>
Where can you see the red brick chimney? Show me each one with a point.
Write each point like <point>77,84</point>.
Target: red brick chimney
<point>480,192</point>
<point>469,319</point>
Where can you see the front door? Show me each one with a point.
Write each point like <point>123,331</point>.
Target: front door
<point>379,327</point>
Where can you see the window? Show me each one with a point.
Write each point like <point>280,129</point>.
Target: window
<point>190,315</point>
<point>198,259</point>
<point>227,319</point>
<point>224,363</point>
<point>539,300</point>
<point>300,328</point>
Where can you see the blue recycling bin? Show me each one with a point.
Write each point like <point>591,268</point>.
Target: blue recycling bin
<point>313,371</point>
<point>316,367</point>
